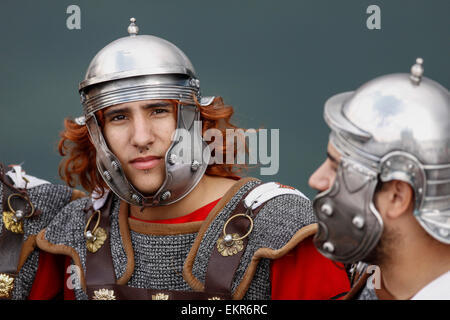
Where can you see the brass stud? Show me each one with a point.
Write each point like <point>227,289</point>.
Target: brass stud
<point>104,294</point>
<point>6,285</point>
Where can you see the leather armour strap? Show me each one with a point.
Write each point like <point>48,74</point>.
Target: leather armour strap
<point>10,242</point>
<point>99,265</point>
<point>220,271</point>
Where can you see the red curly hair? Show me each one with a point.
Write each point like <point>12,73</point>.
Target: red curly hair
<point>79,163</point>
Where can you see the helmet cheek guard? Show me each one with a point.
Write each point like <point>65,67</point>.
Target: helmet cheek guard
<point>349,224</point>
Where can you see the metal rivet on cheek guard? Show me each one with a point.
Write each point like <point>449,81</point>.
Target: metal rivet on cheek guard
<point>358,222</point>
<point>172,158</point>
<point>328,246</point>
<point>136,198</point>
<point>107,175</point>
<point>115,165</point>
<point>195,165</point>
<point>166,195</point>
<point>327,209</point>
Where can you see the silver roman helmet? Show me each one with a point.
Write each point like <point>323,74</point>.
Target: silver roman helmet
<point>141,67</point>
<point>394,127</point>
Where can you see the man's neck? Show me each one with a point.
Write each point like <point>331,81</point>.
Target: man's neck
<point>413,265</point>
<point>207,190</point>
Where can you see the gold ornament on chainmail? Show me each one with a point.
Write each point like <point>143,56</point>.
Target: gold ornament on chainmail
<point>104,294</point>
<point>6,285</point>
<point>13,219</point>
<point>11,224</point>
<point>97,237</point>
<point>230,244</point>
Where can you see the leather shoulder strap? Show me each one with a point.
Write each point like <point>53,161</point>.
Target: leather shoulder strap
<point>222,266</point>
<point>10,242</point>
<point>99,265</point>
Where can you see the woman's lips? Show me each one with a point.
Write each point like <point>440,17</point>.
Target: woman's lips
<point>145,163</point>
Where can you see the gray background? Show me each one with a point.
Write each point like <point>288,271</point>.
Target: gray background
<point>276,62</point>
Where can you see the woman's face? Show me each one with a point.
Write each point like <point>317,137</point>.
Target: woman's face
<point>139,133</point>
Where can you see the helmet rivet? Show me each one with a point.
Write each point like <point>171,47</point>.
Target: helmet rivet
<point>136,198</point>
<point>443,232</point>
<point>166,195</point>
<point>358,222</point>
<point>107,175</point>
<point>115,165</point>
<point>81,121</point>
<point>172,158</point>
<point>328,246</point>
<point>82,97</point>
<point>195,165</point>
<point>327,209</point>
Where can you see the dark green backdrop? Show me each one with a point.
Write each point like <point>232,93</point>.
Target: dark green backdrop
<point>276,62</point>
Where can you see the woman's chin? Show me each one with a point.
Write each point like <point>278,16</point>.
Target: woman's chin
<point>147,189</point>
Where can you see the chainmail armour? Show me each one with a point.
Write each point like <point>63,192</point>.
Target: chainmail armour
<point>49,199</point>
<point>159,259</point>
<point>367,294</point>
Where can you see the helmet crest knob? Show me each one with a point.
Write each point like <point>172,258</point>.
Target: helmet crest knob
<point>417,71</point>
<point>133,29</point>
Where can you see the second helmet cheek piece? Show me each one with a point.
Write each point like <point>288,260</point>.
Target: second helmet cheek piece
<point>349,224</point>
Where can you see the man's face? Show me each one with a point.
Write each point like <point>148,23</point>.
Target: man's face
<point>139,134</point>
<point>323,178</point>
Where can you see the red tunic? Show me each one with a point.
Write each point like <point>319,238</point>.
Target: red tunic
<point>301,274</point>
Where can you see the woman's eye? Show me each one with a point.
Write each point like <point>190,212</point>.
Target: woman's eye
<point>159,111</point>
<point>118,118</point>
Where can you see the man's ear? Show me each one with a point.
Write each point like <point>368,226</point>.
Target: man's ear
<point>400,197</point>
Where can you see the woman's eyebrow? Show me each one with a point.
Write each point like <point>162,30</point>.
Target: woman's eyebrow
<point>157,105</point>
<point>109,113</point>
<point>333,159</point>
